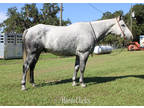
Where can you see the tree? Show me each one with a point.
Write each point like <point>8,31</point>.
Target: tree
<point>49,12</point>
<point>118,13</point>
<point>137,22</point>
<point>30,15</point>
<point>13,23</point>
<point>107,15</point>
<point>139,13</point>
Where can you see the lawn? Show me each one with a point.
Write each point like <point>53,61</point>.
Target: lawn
<point>112,79</point>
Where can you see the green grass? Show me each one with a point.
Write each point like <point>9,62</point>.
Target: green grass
<point>112,79</point>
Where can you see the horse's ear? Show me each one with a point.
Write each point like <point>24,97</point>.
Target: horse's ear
<point>119,18</point>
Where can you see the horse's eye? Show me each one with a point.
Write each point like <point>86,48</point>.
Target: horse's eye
<point>123,25</point>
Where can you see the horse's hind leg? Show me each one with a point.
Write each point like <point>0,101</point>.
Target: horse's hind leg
<point>83,60</point>
<point>32,67</point>
<point>76,69</point>
<point>26,66</point>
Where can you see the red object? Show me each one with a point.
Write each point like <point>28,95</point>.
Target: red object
<point>134,46</point>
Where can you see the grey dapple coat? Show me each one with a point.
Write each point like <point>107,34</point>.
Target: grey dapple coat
<point>77,39</point>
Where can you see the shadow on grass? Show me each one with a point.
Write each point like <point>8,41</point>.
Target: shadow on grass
<point>90,80</point>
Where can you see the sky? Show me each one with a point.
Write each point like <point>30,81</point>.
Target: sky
<point>76,12</point>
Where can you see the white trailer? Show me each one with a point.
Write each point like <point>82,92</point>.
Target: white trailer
<point>142,41</point>
<point>10,46</point>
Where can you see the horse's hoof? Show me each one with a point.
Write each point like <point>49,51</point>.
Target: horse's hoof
<point>74,84</point>
<point>33,85</point>
<point>23,88</point>
<point>83,85</point>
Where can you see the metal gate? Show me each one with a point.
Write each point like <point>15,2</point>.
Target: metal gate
<point>10,46</point>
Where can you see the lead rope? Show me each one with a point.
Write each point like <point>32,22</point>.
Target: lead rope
<point>95,38</point>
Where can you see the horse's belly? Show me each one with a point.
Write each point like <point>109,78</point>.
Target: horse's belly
<point>64,48</point>
<point>61,51</point>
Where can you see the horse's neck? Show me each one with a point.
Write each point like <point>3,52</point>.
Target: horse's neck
<point>102,27</point>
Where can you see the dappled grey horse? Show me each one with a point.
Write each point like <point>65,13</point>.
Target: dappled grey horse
<point>78,39</point>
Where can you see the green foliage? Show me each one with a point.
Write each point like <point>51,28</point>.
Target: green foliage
<point>29,15</point>
<point>13,22</point>
<point>109,15</point>
<point>137,22</point>
<point>48,15</point>
<point>112,40</point>
<point>139,13</point>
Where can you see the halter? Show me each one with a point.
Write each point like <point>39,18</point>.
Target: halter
<point>121,29</point>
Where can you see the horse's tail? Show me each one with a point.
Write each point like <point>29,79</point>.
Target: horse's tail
<point>25,53</point>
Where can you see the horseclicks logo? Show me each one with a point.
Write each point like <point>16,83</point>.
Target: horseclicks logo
<point>76,100</point>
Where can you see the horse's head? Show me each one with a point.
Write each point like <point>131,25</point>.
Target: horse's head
<point>120,28</point>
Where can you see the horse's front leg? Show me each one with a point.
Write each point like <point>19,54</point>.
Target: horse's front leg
<point>76,69</point>
<point>83,60</point>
